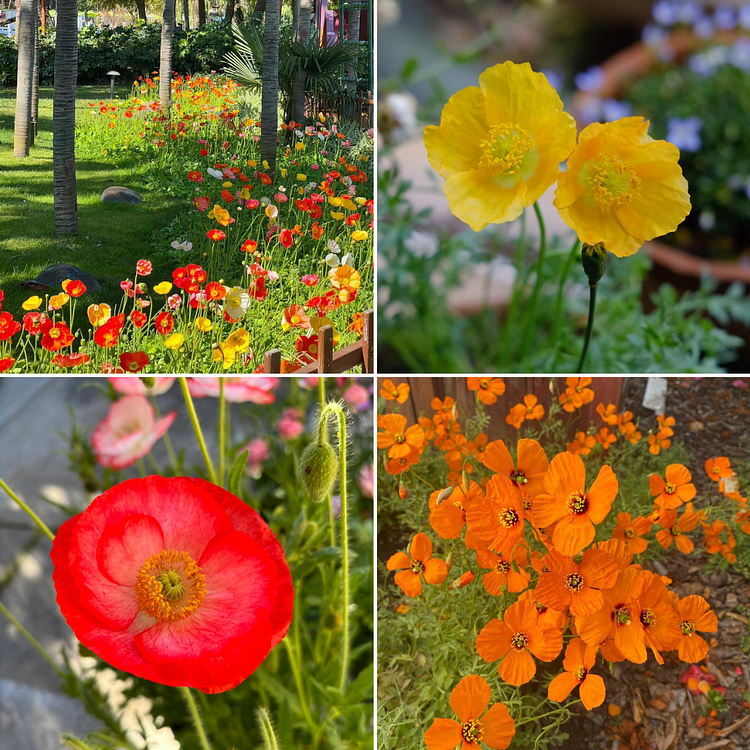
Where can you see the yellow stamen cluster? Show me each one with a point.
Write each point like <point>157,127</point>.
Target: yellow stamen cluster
<point>170,586</point>
<point>472,731</point>
<point>519,641</point>
<point>508,518</point>
<point>611,183</point>
<point>648,618</point>
<point>574,582</point>
<point>577,503</point>
<point>504,149</point>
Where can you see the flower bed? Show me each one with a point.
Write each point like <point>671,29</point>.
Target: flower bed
<point>259,262</point>
<point>523,569</point>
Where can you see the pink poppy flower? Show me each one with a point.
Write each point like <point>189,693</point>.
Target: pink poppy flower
<point>144,267</point>
<point>128,432</point>
<point>239,390</point>
<point>258,452</point>
<point>357,397</point>
<point>290,426</point>
<point>366,481</point>
<point>310,279</point>
<point>133,386</point>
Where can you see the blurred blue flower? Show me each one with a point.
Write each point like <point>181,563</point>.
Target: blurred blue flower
<point>704,27</point>
<point>725,17</point>
<point>684,132</point>
<point>744,18</point>
<point>690,11</point>
<point>740,54</point>
<point>666,12</point>
<point>657,39</point>
<point>555,79</point>
<point>614,110</point>
<point>591,111</point>
<point>590,80</point>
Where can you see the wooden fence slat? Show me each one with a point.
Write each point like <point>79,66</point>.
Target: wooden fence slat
<point>368,342</point>
<point>325,349</point>
<point>272,361</point>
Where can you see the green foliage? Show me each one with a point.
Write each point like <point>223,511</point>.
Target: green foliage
<point>718,173</point>
<point>419,269</point>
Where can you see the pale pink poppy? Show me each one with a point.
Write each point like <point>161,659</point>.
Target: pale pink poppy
<point>357,397</point>
<point>258,452</point>
<point>240,390</point>
<point>366,481</point>
<point>128,432</point>
<point>132,385</point>
<point>290,426</point>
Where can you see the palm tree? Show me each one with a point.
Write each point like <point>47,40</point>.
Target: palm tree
<point>269,117</point>
<point>352,35</point>
<point>141,8</point>
<point>298,88</point>
<point>186,13</point>
<point>35,78</point>
<point>25,38</point>
<point>201,12</point>
<point>165,58</point>
<point>229,12</point>
<point>64,118</point>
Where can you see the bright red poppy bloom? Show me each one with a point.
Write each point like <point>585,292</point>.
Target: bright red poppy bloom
<point>74,287</point>
<point>175,580</point>
<point>108,335</point>
<point>139,319</point>
<point>215,235</point>
<point>70,360</point>
<point>249,246</point>
<point>8,326</point>
<point>55,337</point>
<point>215,291</point>
<point>6,364</point>
<point>164,323</point>
<point>133,361</point>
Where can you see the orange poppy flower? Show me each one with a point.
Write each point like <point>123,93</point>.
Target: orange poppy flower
<point>605,437</point>
<point>675,530</point>
<point>659,442</point>
<point>676,490</point>
<point>416,565</point>
<point>569,504</point>
<point>582,445</point>
<point>503,576</point>
<point>399,465</point>
<point>448,514</point>
<point>514,640</point>
<point>579,659</point>
<point>498,519</point>
<point>469,699</point>
<point>619,618</point>
<point>666,424</point>
<point>527,473</point>
<point>488,389</point>
<point>661,628</point>
<point>630,532</point>
<point>445,408</point>
<point>621,552</point>
<point>463,580</point>
<point>579,388</point>
<point>568,400</point>
<point>576,586</point>
<point>695,615</point>
<point>608,413</point>
<point>399,440</point>
<point>718,468</point>
<point>391,392</point>
<point>534,410</point>
<point>517,416</point>
<point>547,616</point>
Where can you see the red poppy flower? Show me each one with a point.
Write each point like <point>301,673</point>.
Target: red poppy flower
<point>175,580</point>
<point>215,235</point>
<point>164,323</point>
<point>144,267</point>
<point>108,334</point>
<point>33,321</point>
<point>286,238</point>
<point>8,326</point>
<point>74,287</point>
<point>70,360</point>
<point>133,361</point>
<point>249,246</point>
<point>6,364</point>
<point>139,319</point>
<point>215,291</point>
<point>55,337</point>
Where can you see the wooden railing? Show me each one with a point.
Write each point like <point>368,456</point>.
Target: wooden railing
<point>361,352</point>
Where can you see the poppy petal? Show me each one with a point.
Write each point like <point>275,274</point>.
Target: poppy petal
<point>470,698</point>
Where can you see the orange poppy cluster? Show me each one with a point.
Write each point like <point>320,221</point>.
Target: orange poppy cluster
<point>535,528</point>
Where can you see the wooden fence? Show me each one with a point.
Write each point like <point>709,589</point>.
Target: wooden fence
<point>361,352</point>
<point>424,389</point>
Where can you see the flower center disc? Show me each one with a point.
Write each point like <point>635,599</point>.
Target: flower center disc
<point>574,582</point>
<point>577,503</point>
<point>502,566</point>
<point>504,149</point>
<point>170,586</point>
<point>471,731</point>
<point>580,673</point>
<point>670,489</point>
<point>519,641</point>
<point>611,183</point>
<point>687,627</point>
<point>648,618</point>
<point>508,518</point>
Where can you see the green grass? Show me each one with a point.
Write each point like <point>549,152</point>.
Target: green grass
<point>111,237</point>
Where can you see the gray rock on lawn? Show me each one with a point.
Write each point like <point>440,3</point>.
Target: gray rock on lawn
<point>118,194</point>
<point>52,277</point>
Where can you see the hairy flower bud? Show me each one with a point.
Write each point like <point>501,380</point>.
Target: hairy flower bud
<point>318,469</point>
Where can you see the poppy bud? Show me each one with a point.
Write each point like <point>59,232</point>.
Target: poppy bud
<point>443,495</point>
<point>318,469</point>
<point>449,561</point>
<point>465,481</point>
<point>148,382</point>
<point>594,260</point>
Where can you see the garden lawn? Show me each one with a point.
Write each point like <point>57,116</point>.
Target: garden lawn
<point>111,237</point>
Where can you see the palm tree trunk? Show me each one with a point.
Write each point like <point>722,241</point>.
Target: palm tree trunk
<point>186,13</point>
<point>269,119</point>
<point>295,18</point>
<point>141,7</point>
<point>35,79</point>
<point>64,118</point>
<point>165,59</point>
<point>298,85</point>
<point>352,35</point>
<point>25,38</point>
<point>201,12</point>
<point>229,12</point>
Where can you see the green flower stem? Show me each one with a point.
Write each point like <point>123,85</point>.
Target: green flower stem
<point>38,521</point>
<point>322,399</point>
<point>197,427</point>
<point>199,728</point>
<point>294,661</point>
<point>557,711</point>
<point>266,729</point>
<point>33,641</point>
<point>330,409</point>
<point>222,430</point>
<point>539,265</point>
<point>589,326</point>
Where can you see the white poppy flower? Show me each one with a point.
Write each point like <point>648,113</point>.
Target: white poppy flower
<point>216,173</point>
<point>332,260</point>
<point>184,246</point>
<point>236,302</point>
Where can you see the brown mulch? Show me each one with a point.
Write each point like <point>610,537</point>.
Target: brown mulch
<point>657,711</point>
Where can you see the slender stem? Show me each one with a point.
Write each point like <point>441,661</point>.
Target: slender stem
<point>330,409</point>
<point>33,641</point>
<point>298,680</point>
<point>266,729</point>
<point>199,728</point>
<point>222,430</point>
<point>38,521</point>
<point>589,326</point>
<point>551,713</point>
<point>322,399</point>
<point>197,427</point>
<point>539,265</point>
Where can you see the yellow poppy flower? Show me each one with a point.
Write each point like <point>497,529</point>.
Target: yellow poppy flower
<point>58,300</point>
<point>301,177</point>
<point>203,324</point>
<point>238,340</point>
<point>359,235</point>
<point>499,145</point>
<point>99,314</point>
<point>175,341</point>
<point>32,303</point>
<point>622,187</point>
<point>163,287</point>
<point>338,215</point>
<point>225,354</point>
